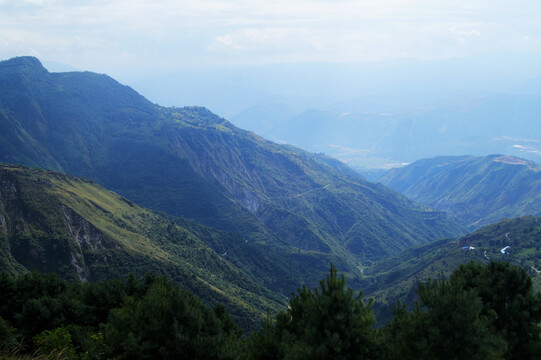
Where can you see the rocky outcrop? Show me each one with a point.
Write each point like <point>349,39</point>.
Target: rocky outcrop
<point>8,193</point>
<point>86,236</point>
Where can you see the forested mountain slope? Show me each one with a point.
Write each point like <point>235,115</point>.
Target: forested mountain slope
<point>515,240</point>
<point>190,162</point>
<point>53,222</point>
<point>475,191</point>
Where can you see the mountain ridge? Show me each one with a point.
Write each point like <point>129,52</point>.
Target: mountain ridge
<point>189,162</point>
<point>475,191</point>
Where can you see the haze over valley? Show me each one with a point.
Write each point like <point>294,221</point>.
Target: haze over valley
<point>376,115</point>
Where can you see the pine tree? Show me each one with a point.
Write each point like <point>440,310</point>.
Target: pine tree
<point>169,323</point>
<point>481,312</point>
<point>331,322</point>
<point>507,292</point>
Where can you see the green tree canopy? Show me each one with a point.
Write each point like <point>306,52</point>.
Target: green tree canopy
<point>506,291</point>
<point>169,323</point>
<point>331,322</point>
<point>481,312</point>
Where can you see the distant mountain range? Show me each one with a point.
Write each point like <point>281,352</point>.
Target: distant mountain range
<point>373,114</point>
<point>189,162</point>
<point>475,191</point>
<point>383,86</point>
<point>365,138</point>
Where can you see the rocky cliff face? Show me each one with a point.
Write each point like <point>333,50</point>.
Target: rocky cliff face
<point>86,237</point>
<point>40,231</point>
<point>8,193</point>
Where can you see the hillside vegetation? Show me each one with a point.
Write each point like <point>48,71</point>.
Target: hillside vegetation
<point>474,191</point>
<point>189,162</point>
<point>53,222</point>
<point>516,241</point>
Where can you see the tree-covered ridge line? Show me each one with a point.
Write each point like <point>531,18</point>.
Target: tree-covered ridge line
<point>480,312</point>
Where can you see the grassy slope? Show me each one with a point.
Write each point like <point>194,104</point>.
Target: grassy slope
<point>299,198</point>
<point>133,240</point>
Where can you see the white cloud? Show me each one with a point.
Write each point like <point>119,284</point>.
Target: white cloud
<point>255,30</point>
<point>38,2</point>
<point>256,38</point>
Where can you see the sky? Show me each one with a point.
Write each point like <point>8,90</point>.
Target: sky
<point>113,36</point>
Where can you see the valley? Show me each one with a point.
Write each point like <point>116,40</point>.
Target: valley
<point>255,180</point>
<point>98,183</point>
<point>189,162</point>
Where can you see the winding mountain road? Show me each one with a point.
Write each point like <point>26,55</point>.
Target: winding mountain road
<point>309,191</point>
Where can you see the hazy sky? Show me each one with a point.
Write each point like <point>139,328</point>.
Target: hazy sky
<point>113,35</point>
